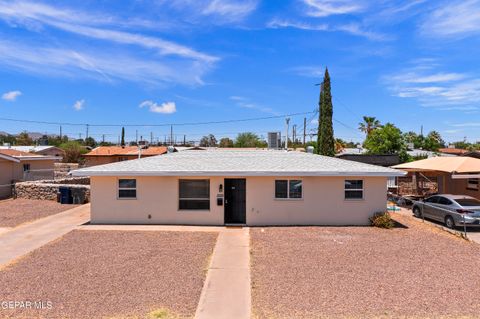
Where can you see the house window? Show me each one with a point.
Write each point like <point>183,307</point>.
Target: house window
<point>472,184</point>
<point>26,167</point>
<point>354,189</point>
<point>285,189</point>
<point>127,188</point>
<point>194,194</point>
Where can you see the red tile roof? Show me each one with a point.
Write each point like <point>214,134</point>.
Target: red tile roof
<point>126,151</point>
<point>453,151</point>
<point>15,153</point>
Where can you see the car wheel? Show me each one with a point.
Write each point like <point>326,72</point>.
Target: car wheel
<point>416,212</point>
<point>449,222</point>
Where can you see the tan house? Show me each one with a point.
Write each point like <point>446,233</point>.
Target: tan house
<point>459,175</point>
<point>111,154</point>
<point>19,166</point>
<point>218,187</point>
<point>46,150</point>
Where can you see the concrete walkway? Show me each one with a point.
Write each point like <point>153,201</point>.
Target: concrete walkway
<point>25,238</point>
<point>226,291</point>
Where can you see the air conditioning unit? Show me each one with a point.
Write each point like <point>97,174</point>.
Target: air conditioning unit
<point>274,140</point>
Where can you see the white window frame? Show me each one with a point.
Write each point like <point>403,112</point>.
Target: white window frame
<point>345,189</point>
<point>288,189</point>
<point>476,182</point>
<point>126,188</point>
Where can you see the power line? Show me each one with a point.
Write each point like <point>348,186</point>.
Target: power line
<point>159,125</point>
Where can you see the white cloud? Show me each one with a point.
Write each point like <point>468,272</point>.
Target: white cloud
<point>433,88</point>
<point>352,28</point>
<point>79,105</point>
<point>99,65</point>
<point>277,24</point>
<point>158,62</point>
<point>11,96</point>
<point>413,77</point>
<point>230,10</point>
<point>453,19</point>
<point>164,108</point>
<point>245,103</point>
<point>325,8</point>
<point>80,23</point>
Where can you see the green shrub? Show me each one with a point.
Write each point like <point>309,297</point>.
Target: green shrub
<point>382,220</point>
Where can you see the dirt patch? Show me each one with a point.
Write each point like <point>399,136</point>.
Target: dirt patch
<point>104,274</point>
<point>364,272</point>
<point>18,211</point>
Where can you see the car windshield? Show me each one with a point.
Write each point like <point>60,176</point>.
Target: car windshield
<point>468,201</point>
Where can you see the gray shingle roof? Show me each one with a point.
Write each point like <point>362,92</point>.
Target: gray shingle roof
<point>237,163</point>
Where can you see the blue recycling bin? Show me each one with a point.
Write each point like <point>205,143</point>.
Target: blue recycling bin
<point>65,195</point>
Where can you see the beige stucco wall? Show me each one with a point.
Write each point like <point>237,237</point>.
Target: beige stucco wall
<point>14,171</point>
<point>322,204</point>
<point>459,187</point>
<point>6,176</point>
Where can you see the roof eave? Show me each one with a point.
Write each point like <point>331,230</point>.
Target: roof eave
<point>235,173</point>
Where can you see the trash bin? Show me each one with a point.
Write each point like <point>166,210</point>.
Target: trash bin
<point>78,195</point>
<point>65,195</point>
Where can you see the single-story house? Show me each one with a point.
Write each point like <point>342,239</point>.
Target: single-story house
<point>385,160</point>
<point>457,175</point>
<point>111,154</point>
<point>218,187</point>
<point>46,150</point>
<point>18,166</point>
<point>452,151</point>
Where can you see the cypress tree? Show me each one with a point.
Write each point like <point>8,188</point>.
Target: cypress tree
<point>320,120</point>
<point>326,140</point>
<point>122,143</point>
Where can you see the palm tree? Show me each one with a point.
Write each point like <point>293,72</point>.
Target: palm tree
<point>369,124</point>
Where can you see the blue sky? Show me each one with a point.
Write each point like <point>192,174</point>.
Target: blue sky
<point>411,63</point>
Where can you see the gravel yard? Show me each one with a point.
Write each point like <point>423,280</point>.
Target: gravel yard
<point>364,272</point>
<point>111,274</point>
<point>14,212</point>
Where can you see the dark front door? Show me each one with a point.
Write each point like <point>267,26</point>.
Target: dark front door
<point>235,201</point>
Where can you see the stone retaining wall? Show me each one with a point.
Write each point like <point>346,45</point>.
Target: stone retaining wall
<point>47,190</point>
<point>62,169</point>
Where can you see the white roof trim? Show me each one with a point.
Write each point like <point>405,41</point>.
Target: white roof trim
<point>36,158</point>
<point>232,173</point>
<point>9,158</point>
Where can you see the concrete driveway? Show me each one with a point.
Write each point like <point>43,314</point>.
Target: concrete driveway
<point>21,240</point>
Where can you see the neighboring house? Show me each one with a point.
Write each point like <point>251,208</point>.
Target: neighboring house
<point>380,160</point>
<point>457,175</point>
<point>217,187</point>
<point>452,151</point>
<point>19,166</point>
<point>111,154</point>
<point>475,154</point>
<point>39,150</point>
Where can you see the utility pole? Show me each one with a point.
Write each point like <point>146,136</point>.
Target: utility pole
<point>184,140</point>
<point>304,129</point>
<point>421,130</point>
<point>136,136</point>
<point>103,138</point>
<point>294,133</point>
<point>60,132</point>
<point>151,137</point>
<point>171,134</point>
<point>86,135</point>
<point>287,121</point>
